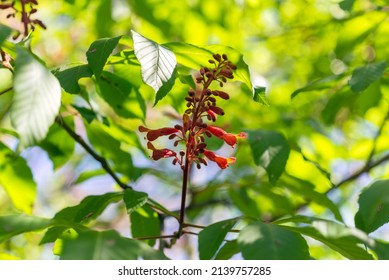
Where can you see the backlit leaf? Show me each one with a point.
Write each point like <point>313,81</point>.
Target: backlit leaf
<point>373,206</point>
<point>145,222</point>
<point>263,241</point>
<point>190,56</point>
<point>12,225</point>
<point>6,92</point>
<point>157,62</point>
<point>36,101</point>
<point>16,178</point>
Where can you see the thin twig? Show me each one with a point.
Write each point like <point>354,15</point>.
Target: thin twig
<point>5,91</point>
<point>378,134</point>
<point>96,156</point>
<point>154,237</point>
<point>202,227</point>
<point>370,164</point>
<point>107,167</point>
<point>185,179</point>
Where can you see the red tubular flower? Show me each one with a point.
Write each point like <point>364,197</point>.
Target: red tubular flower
<point>229,138</point>
<point>160,153</point>
<point>221,161</point>
<point>153,134</point>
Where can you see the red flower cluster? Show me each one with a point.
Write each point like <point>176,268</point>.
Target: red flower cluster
<point>201,103</point>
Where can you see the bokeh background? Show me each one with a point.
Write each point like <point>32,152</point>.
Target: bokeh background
<point>287,44</point>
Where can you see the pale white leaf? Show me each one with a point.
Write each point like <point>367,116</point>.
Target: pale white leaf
<point>37,99</point>
<point>157,62</point>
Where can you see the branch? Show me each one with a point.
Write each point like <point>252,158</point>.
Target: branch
<point>89,149</point>
<point>369,165</point>
<point>107,167</point>
<point>154,237</point>
<point>363,170</point>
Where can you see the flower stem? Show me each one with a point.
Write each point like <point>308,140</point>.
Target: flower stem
<point>183,194</point>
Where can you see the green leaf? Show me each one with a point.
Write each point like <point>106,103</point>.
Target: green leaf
<point>110,148</point>
<point>270,150</point>
<point>242,200</point>
<point>12,225</point>
<point>362,77</point>
<point>6,92</point>
<point>88,114</point>
<point>103,17</point>
<point>212,237</point>
<point>350,37</point>
<point>373,206</point>
<point>58,144</point>
<point>307,190</point>
<point>5,32</point>
<point>36,101</point>
<point>228,250</point>
<point>342,98</point>
<point>320,84</point>
<point>157,62</point>
<point>260,95</point>
<point>89,208</point>
<point>346,5</point>
<point>165,88</point>
<point>134,200</point>
<point>261,241</point>
<point>348,242</point>
<point>16,178</point>
<point>86,175</point>
<point>99,52</point>
<point>145,222</point>
<point>69,78</point>
<point>190,56</point>
<point>188,80</point>
<point>382,250</point>
<point>120,94</point>
<point>107,245</point>
<point>242,73</point>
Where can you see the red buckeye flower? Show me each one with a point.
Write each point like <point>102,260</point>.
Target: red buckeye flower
<point>201,103</point>
<point>153,134</point>
<point>160,153</point>
<point>229,138</point>
<point>222,162</point>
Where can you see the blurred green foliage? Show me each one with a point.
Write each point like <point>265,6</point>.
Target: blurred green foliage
<point>324,67</point>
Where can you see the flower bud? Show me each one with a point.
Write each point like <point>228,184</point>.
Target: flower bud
<point>221,94</point>
<point>217,57</point>
<point>217,110</point>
